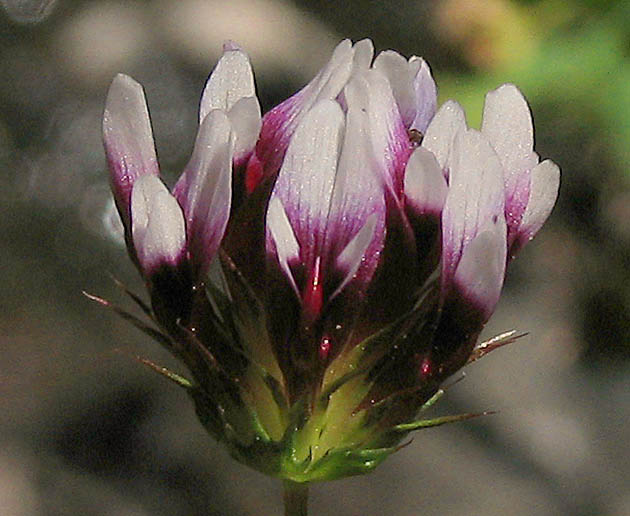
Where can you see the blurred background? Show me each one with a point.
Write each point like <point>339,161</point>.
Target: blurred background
<point>85,429</point>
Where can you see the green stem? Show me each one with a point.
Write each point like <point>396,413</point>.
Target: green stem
<point>295,498</point>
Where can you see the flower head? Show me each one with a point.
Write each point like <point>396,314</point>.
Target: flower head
<point>323,269</point>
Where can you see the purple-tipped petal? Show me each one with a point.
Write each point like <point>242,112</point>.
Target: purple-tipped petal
<point>280,123</point>
<point>204,189</point>
<point>157,225</point>
<point>481,269</point>
<point>128,140</point>
<point>305,181</point>
<point>543,192</point>
<point>474,201</point>
<point>425,185</point>
<point>447,122</point>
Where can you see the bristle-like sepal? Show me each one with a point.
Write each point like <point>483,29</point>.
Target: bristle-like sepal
<point>498,341</point>
<point>134,297</point>
<point>438,421</point>
<point>156,335</point>
<point>166,373</point>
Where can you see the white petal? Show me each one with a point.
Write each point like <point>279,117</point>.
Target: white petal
<point>204,189</point>
<point>286,245</point>
<point>386,136</point>
<point>543,192</point>
<point>157,224</point>
<point>359,185</point>
<point>330,80</point>
<point>231,80</point>
<point>507,123</point>
<point>307,176</point>
<point>399,73</point>
<point>246,121</point>
<point>128,138</point>
<point>425,95</point>
<point>207,163</point>
<point>354,253</point>
<point>447,122</point>
<point>475,197</point>
<point>425,185</point>
<point>358,196</point>
<point>363,54</point>
<point>481,270</point>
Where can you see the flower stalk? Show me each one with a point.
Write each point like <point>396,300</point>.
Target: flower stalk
<point>295,498</point>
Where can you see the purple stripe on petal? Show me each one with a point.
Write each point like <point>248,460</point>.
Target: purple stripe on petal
<point>157,225</point>
<point>469,304</point>
<point>457,332</point>
<point>516,203</point>
<point>375,151</point>
<point>359,189</point>
<point>204,190</point>
<point>425,194</point>
<point>128,140</point>
<point>390,146</point>
<point>280,123</point>
<point>530,188</point>
<point>391,268</point>
<point>305,181</point>
<point>474,201</point>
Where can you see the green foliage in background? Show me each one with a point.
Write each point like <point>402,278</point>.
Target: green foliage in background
<point>573,55</point>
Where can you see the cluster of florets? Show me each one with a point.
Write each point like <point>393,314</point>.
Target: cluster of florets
<point>321,270</point>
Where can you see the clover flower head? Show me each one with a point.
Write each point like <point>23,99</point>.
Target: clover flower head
<point>323,269</point>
